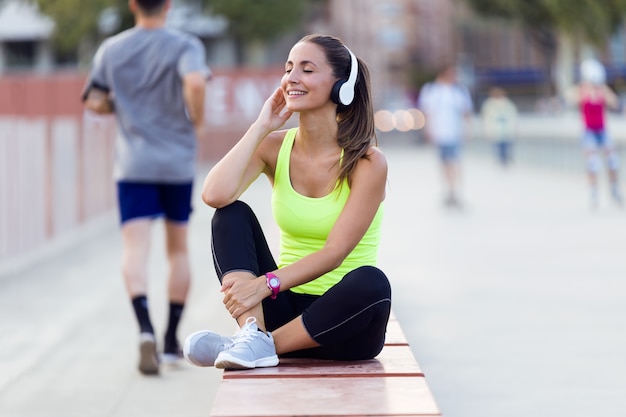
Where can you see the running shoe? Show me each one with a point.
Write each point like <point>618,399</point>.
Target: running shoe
<point>251,348</point>
<point>148,359</point>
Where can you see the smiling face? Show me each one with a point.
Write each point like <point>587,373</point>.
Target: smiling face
<point>308,78</point>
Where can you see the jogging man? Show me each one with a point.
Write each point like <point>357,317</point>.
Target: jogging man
<point>153,79</point>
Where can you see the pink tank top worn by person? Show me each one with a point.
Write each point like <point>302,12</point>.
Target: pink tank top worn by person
<point>592,109</point>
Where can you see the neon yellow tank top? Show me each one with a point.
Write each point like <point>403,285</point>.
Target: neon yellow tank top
<point>305,223</point>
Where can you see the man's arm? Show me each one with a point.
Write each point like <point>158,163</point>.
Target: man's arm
<point>96,94</point>
<point>194,85</point>
<point>99,101</point>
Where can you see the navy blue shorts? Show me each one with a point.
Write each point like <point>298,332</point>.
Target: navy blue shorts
<point>145,199</point>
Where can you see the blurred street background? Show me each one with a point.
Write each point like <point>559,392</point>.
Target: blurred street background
<point>514,306</point>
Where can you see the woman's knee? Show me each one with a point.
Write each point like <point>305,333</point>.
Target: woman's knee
<point>369,279</point>
<point>234,214</point>
<point>235,210</point>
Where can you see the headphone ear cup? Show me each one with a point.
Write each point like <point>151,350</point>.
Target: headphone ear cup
<point>334,93</point>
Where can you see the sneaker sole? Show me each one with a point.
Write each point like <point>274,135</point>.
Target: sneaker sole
<point>227,361</point>
<point>148,363</point>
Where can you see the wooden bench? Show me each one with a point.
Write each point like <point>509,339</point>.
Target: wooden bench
<point>392,384</point>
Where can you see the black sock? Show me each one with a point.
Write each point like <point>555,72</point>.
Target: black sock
<point>140,304</point>
<point>171,343</point>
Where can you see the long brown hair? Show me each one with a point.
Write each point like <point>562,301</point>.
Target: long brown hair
<point>356,132</point>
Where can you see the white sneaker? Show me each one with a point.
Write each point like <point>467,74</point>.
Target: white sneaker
<point>201,348</point>
<point>251,349</point>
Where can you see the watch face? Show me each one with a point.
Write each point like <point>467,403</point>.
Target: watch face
<point>274,282</point>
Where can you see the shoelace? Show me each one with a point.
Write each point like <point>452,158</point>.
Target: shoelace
<point>247,332</point>
<point>227,345</point>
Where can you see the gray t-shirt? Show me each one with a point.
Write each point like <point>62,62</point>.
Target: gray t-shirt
<point>143,70</point>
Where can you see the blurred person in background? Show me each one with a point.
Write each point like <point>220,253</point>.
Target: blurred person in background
<point>325,297</point>
<point>153,79</point>
<point>593,97</point>
<point>499,118</point>
<point>447,107</point>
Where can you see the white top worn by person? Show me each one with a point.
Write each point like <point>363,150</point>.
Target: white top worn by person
<point>499,116</point>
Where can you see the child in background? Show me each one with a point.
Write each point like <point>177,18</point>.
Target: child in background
<point>593,97</point>
<point>499,116</point>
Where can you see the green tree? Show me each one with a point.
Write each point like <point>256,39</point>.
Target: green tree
<point>250,20</point>
<point>254,21</point>
<point>559,23</point>
<point>77,20</point>
<point>258,20</point>
<point>594,20</point>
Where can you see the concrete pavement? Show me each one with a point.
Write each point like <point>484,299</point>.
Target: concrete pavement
<point>513,306</point>
<point>68,340</point>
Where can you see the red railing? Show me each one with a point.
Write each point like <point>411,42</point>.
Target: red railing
<point>56,160</point>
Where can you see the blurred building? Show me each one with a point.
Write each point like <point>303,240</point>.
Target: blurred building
<point>188,17</point>
<point>406,41</point>
<point>25,34</point>
<point>24,37</point>
<point>403,41</point>
<point>378,32</point>
<point>395,37</point>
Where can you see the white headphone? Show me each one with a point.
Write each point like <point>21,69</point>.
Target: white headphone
<point>343,90</point>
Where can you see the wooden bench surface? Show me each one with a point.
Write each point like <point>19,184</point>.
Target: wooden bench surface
<point>340,396</point>
<point>392,384</point>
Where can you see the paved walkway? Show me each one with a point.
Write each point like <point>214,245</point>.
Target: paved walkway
<point>514,306</point>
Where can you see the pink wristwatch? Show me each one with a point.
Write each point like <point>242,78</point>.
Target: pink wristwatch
<point>273,283</point>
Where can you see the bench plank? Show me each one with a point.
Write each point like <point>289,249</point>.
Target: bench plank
<point>392,361</point>
<point>354,396</point>
<point>394,335</point>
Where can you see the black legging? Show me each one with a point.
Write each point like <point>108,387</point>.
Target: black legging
<point>349,321</point>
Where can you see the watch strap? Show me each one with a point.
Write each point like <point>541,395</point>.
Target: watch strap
<point>273,283</point>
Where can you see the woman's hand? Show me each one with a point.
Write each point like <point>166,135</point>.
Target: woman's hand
<point>270,118</point>
<point>240,295</point>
